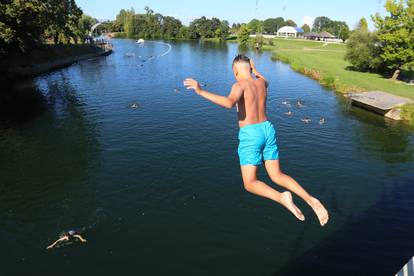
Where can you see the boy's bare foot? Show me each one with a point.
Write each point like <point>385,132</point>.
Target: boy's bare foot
<point>287,201</point>
<point>319,210</point>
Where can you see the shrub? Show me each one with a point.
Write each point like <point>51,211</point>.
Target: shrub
<point>363,52</point>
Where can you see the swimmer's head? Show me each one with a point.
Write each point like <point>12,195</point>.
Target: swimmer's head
<point>241,66</point>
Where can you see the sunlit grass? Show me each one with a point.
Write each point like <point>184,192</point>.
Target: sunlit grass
<point>330,63</point>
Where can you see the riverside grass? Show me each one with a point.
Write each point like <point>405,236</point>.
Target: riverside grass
<point>326,64</point>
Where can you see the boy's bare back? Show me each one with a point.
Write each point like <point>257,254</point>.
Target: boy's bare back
<point>251,108</point>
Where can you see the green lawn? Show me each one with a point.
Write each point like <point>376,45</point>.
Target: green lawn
<point>327,65</point>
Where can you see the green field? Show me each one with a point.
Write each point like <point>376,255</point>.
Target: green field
<point>327,64</point>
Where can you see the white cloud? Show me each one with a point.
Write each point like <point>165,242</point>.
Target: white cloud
<point>308,20</point>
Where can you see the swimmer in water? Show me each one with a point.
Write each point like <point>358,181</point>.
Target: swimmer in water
<point>257,138</point>
<point>290,113</point>
<point>67,236</point>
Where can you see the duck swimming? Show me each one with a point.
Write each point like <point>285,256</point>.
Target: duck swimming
<point>306,120</point>
<point>134,106</point>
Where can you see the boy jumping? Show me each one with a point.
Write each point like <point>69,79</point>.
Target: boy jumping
<point>257,138</point>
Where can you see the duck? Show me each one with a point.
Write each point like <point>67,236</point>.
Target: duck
<point>134,105</point>
<point>306,120</point>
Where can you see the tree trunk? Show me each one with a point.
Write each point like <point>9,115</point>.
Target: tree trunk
<point>396,74</point>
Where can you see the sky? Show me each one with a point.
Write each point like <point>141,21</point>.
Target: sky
<point>242,11</point>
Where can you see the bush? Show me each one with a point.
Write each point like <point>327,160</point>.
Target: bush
<point>363,52</point>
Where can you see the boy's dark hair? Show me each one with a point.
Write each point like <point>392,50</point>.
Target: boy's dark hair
<point>241,58</point>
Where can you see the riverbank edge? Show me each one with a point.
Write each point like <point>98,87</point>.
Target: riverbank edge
<point>334,83</point>
<point>41,68</point>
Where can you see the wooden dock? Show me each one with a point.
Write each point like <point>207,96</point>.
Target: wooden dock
<point>381,103</point>
<point>407,270</point>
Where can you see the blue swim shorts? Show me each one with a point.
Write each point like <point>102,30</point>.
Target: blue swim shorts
<point>257,144</point>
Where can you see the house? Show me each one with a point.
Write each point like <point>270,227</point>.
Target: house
<point>288,31</point>
<point>312,36</point>
<point>322,36</point>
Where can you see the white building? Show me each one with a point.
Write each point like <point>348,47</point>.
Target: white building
<point>288,31</point>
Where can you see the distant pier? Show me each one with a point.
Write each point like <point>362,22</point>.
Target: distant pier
<point>381,103</point>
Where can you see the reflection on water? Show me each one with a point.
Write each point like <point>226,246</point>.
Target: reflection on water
<point>158,187</point>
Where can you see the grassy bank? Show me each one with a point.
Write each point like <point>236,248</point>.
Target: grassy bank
<point>326,64</point>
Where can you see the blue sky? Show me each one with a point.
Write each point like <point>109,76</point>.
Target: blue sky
<point>301,11</point>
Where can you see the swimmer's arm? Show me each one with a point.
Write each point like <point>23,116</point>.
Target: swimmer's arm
<point>223,101</point>
<point>56,242</point>
<point>80,238</point>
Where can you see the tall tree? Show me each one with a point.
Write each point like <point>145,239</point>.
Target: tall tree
<point>362,25</point>
<point>243,36</point>
<point>255,26</point>
<point>306,28</point>
<point>291,23</point>
<point>321,23</point>
<point>395,33</point>
<point>272,25</point>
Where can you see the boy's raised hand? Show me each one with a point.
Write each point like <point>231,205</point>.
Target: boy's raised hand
<point>192,84</point>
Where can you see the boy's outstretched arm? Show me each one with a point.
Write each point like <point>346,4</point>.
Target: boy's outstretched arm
<point>223,101</point>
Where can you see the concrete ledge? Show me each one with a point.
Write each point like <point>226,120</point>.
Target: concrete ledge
<point>381,103</point>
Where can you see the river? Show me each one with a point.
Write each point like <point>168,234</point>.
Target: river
<point>157,189</point>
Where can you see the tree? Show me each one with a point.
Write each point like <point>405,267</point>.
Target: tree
<point>339,29</point>
<point>306,28</point>
<point>85,24</point>
<point>26,24</point>
<point>243,36</point>
<point>272,25</point>
<point>362,25</point>
<point>321,23</point>
<point>291,23</point>
<point>395,33</point>
<point>183,33</point>
<point>170,27</point>
<point>255,26</point>
<point>235,27</point>
<point>363,51</point>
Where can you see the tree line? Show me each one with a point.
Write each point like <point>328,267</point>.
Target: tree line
<point>151,25</point>
<point>389,49</point>
<point>25,25</point>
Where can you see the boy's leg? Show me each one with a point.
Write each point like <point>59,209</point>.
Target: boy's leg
<point>259,188</point>
<point>277,176</point>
